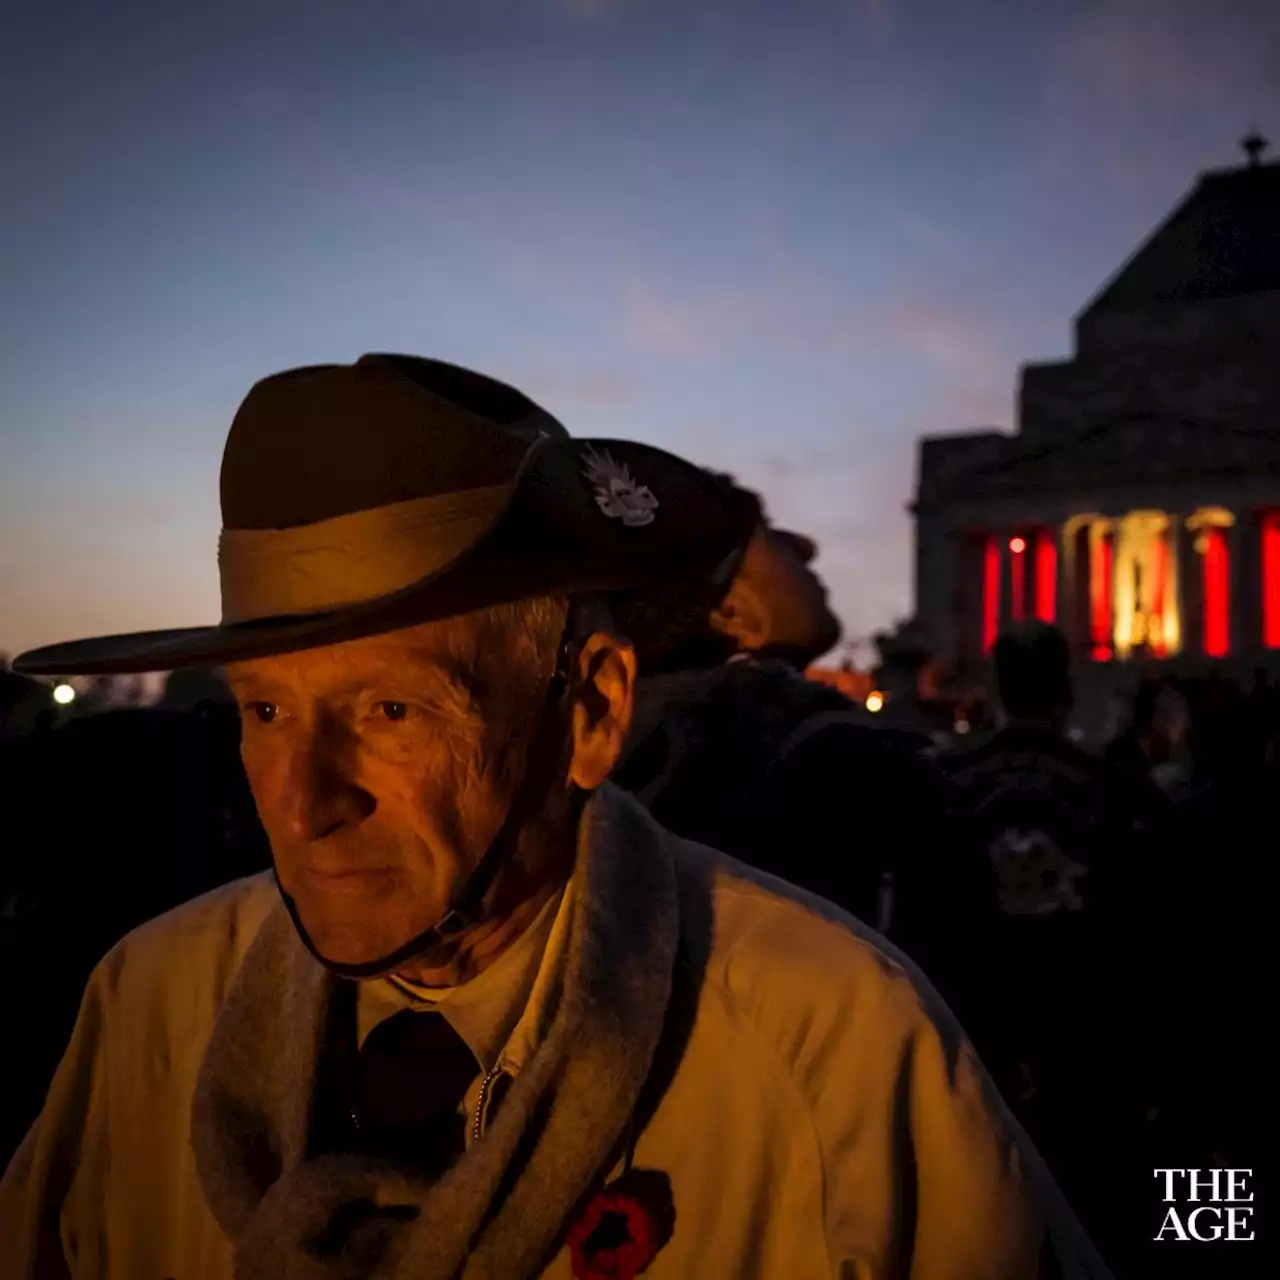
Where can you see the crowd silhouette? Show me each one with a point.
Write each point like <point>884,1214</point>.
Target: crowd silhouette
<point>110,819</point>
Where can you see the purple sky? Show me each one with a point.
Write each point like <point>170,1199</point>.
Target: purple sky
<point>781,238</point>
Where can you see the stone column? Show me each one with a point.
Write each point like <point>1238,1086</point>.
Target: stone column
<point>935,582</point>
<point>1073,585</point>
<point>1244,541</point>
<point>964,600</point>
<point>1066,613</point>
<point>1190,589</point>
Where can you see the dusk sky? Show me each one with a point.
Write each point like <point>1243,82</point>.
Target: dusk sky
<point>783,239</point>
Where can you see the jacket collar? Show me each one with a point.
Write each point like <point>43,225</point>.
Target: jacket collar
<point>596,1016</point>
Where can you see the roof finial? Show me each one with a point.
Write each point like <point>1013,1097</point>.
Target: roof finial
<point>1253,144</point>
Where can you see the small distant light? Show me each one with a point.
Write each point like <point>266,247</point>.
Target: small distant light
<point>962,726</point>
<point>875,702</point>
<point>1017,545</point>
<point>63,694</point>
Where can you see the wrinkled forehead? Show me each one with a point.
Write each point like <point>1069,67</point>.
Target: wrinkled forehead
<point>460,653</point>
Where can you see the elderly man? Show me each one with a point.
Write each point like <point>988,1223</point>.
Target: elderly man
<point>489,1020</point>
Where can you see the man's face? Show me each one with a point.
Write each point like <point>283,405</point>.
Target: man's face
<point>382,769</point>
<point>792,599</point>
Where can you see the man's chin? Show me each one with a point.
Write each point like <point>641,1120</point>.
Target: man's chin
<point>342,948</point>
<point>831,633</point>
<point>804,652</point>
<point>346,931</point>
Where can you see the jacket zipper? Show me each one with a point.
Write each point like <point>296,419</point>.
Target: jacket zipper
<point>477,1126</point>
<point>477,1123</point>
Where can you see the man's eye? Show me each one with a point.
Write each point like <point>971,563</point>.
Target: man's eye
<point>390,710</point>
<point>263,712</point>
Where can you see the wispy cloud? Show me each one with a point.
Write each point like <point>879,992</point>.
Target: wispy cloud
<point>807,316</point>
<point>961,341</point>
<point>950,341</point>
<point>690,326</point>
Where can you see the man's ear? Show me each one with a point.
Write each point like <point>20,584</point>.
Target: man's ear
<point>742,617</point>
<point>603,698</point>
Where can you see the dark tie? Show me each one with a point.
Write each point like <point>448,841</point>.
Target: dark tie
<point>413,1074</point>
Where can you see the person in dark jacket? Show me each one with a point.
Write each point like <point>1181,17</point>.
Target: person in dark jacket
<point>1072,878</point>
<point>735,748</point>
<point>1056,822</point>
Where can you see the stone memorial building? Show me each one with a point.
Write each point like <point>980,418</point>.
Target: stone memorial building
<point>1138,503</point>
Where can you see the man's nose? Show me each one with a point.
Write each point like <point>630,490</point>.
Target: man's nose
<point>317,793</point>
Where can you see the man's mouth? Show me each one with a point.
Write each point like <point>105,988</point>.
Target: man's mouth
<point>348,880</point>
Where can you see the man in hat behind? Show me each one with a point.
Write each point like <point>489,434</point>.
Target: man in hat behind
<point>488,1019</point>
<point>732,746</point>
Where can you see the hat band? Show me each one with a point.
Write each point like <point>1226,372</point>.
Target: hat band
<point>351,559</point>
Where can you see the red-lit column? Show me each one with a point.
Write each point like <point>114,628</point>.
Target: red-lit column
<point>1269,532</point>
<point>1215,593</point>
<point>990,592</point>
<point>1101,593</point>
<point>1046,575</point>
<point>1163,572</point>
<point>1018,558</point>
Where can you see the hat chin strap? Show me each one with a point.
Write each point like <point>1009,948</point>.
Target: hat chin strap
<point>466,908</point>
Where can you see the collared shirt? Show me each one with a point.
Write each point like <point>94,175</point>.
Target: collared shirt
<point>483,1011</point>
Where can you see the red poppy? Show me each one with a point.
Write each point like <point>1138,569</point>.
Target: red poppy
<point>622,1228</point>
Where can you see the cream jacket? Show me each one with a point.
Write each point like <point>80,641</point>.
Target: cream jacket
<point>827,1117</point>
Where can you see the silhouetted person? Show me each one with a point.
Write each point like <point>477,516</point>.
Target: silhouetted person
<point>1054,819</point>
<point>735,748</point>
<point>201,688</point>
<point>1138,746</point>
<point>21,701</point>
<point>1071,874</point>
<point>109,820</point>
<point>1172,729</point>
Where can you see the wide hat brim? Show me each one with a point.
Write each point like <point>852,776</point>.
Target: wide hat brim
<point>560,533</point>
